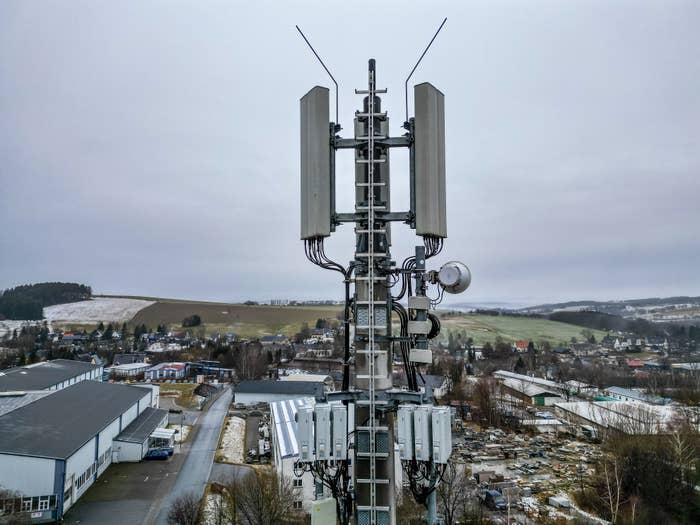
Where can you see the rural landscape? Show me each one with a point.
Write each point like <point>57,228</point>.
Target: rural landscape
<point>349,263</point>
<point>518,382</point>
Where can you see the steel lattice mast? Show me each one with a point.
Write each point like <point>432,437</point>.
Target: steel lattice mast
<point>359,464</point>
<point>373,466</point>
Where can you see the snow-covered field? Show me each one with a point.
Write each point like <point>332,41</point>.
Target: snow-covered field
<point>96,310</point>
<point>6,327</point>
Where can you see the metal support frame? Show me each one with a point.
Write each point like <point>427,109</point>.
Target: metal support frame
<point>373,396</point>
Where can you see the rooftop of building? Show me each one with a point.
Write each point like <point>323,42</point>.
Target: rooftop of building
<point>175,366</point>
<point>529,389</point>
<point>279,387</point>
<point>10,401</point>
<point>131,366</point>
<point>285,426</point>
<point>39,376</point>
<point>309,378</point>
<point>143,426</point>
<point>57,425</point>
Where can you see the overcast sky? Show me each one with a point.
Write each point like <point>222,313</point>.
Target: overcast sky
<point>151,147</point>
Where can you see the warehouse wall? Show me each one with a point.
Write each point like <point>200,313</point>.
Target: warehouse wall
<point>94,375</point>
<point>124,451</point>
<point>79,468</point>
<point>29,475</point>
<point>104,447</point>
<point>129,416</point>
<point>147,400</point>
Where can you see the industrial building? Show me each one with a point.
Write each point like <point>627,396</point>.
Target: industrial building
<point>628,417</point>
<point>625,394</point>
<point>143,433</point>
<point>253,392</point>
<point>285,448</point>
<point>130,369</point>
<point>166,371</point>
<point>48,375</point>
<point>54,448</point>
<point>533,391</point>
<point>326,379</point>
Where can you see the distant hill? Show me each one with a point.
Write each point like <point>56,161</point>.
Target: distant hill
<point>613,307</point>
<point>608,322</point>
<point>676,310</point>
<point>27,302</point>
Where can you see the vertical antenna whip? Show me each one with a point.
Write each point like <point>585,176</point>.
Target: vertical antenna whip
<point>327,71</point>
<point>414,67</point>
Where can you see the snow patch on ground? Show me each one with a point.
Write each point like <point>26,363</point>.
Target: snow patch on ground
<point>96,310</point>
<point>181,436</point>
<point>214,509</point>
<point>233,441</point>
<point>6,327</point>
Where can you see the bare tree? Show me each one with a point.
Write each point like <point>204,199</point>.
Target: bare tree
<point>408,512</point>
<point>485,398</point>
<point>451,492</point>
<point>11,508</point>
<point>611,477</point>
<point>263,498</point>
<point>685,455</point>
<point>184,510</point>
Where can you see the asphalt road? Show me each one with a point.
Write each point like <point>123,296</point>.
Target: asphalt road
<point>225,472</point>
<point>195,471</point>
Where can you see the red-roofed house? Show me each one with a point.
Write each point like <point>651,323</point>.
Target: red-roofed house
<point>521,346</point>
<point>635,363</point>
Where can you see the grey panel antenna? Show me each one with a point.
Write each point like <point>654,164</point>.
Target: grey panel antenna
<point>429,159</point>
<point>316,154</point>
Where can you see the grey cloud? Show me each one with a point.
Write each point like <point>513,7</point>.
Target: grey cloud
<point>152,147</point>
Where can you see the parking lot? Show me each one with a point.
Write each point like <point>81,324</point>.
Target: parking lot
<point>126,493</point>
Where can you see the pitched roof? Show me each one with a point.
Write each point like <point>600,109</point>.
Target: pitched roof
<point>279,387</point>
<point>42,375</point>
<point>59,424</point>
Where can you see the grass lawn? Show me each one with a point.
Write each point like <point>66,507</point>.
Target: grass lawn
<point>183,392</point>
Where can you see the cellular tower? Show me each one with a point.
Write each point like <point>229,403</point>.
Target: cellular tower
<point>372,434</point>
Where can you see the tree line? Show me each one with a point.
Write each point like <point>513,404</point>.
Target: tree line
<point>27,302</point>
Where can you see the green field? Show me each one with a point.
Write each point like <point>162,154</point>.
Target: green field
<point>485,328</point>
<point>243,320</point>
<point>256,321</point>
